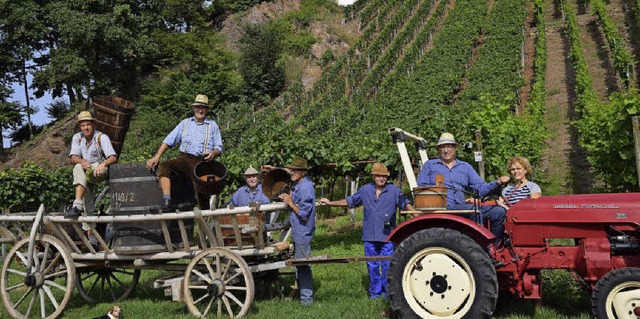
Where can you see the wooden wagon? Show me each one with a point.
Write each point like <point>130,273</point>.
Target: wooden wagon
<point>217,257</point>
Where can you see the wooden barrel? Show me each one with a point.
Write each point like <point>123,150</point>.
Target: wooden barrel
<point>135,191</point>
<point>113,115</point>
<point>430,198</point>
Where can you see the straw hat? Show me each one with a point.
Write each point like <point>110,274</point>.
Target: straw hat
<point>379,169</point>
<point>85,116</point>
<point>298,163</point>
<point>446,138</point>
<point>250,171</point>
<point>201,100</point>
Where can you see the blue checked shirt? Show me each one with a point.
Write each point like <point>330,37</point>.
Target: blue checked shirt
<point>243,196</point>
<point>303,194</point>
<point>192,139</point>
<point>377,210</point>
<point>460,177</point>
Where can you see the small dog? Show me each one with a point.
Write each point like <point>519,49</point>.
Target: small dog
<point>114,313</point>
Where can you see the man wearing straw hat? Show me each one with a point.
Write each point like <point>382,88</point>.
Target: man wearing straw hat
<point>458,177</point>
<point>91,154</point>
<point>199,139</point>
<point>302,203</point>
<point>380,200</point>
<point>252,192</point>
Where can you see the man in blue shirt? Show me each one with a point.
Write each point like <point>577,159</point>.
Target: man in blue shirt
<point>199,139</point>
<point>380,200</point>
<point>458,177</point>
<point>252,192</point>
<point>302,202</point>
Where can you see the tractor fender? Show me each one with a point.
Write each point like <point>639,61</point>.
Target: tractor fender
<point>464,225</point>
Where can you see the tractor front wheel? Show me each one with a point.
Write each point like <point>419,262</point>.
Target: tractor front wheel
<point>441,273</point>
<point>617,295</point>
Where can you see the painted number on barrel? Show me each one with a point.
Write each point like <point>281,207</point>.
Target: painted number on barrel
<point>117,199</point>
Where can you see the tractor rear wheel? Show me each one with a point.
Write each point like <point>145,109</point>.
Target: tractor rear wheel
<point>441,273</point>
<point>617,295</point>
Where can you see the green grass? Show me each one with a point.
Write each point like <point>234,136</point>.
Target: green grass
<point>340,290</point>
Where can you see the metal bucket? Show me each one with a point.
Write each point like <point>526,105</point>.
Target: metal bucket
<point>113,115</point>
<point>135,191</point>
<point>209,177</point>
<point>276,182</point>
<point>430,198</point>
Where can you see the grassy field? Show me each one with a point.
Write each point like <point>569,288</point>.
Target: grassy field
<point>340,290</point>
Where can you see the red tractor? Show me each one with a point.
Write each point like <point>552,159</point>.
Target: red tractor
<point>446,266</point>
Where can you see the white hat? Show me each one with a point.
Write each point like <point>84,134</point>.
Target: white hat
<point>250,171</point>
<point>446,138</point>
<point>201,100</point>
<point>85,116</point>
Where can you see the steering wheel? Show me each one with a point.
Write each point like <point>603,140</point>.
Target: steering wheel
<point>495,192</point>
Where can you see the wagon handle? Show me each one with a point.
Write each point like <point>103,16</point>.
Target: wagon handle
<point>32,237</point>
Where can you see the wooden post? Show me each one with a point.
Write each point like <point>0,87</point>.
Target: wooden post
<point>479,149</point>
<point>352,211</point>
<point>636,139</point>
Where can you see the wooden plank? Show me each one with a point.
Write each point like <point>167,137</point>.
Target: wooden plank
<point>236,231</point>
<point>84,239</point>
<point>258,219</point>
<point>219,237</point>
<point>63,234</point>
<point>183,233</point>
<point>325,259</point>
<point>167,236</point>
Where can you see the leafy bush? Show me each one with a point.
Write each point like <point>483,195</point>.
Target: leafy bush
<point>26,188</point>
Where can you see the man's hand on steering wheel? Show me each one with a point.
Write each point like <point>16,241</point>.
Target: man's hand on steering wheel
<point>502,181</point>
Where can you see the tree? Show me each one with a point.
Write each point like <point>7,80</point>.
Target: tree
<point>10,115</point>
<point>22,34</point>
<point>103,47</point>
<point>57,109</point>
<point>261,47</point>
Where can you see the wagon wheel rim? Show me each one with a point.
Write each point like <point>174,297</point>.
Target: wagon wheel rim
<point>44,291</point>
<point>218,282</point>
<point>624,301</point>
<point>98,285</point>
<point>437,283</point>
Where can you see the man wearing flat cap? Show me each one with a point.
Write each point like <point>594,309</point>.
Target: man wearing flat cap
<point>302,203</point>
<point>252,192</point>
<point>199,139</point>
<point>460,176</point>
<point>380,200</point>
<point>91,154</point>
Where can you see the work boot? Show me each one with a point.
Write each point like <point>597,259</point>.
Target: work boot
<point>73,213</point>
<point>168,206</point>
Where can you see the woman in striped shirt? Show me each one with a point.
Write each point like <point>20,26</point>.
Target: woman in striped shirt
<point>519,168</point>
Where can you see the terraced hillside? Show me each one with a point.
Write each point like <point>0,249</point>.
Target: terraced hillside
<point>519,71</point>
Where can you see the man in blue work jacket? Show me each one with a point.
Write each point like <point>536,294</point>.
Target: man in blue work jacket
<point>252,192</point>
<point>458,177</point>
<point>199,139</point>
<point>380,200</point>
<point>302,202</point>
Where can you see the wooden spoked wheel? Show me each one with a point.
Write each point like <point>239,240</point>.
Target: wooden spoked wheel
<point>218,282</point>
<point>42,291</point>
<point>107,284</point>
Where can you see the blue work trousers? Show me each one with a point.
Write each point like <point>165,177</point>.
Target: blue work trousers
<point>303,273</point>
<point>378,269</point>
